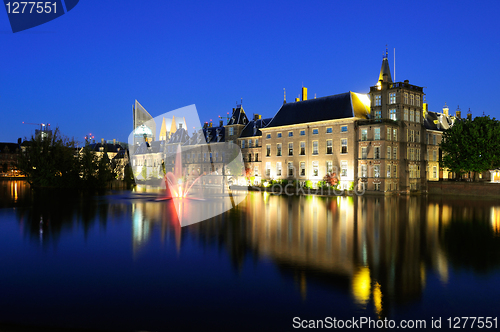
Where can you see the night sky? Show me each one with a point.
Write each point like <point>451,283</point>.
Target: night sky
<point>83,71</point>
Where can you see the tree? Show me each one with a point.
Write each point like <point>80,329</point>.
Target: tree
<point>331,179</point>
<point>471,145</point>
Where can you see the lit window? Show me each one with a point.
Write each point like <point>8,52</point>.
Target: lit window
<point>329,167</point>
<point>315,165</point>
<point>388,134</point>
<point>417,116</point>
<point>389,152</point>
<point>302,148</point>
<point>268,169</point>
<point>364,134</point>
<point>329,147</point>
<point>290,134</point>
<point>315,147</point>
<point>290,149</point>
<point>377,134</point>
<point>395,170</point>
<point>279,135</point>
<point>405,114</point>
<point>406,97</point>
<point>231,131</point>
<point>388,171</point>
<point>290,169</point>
<point>302,169</point>
<point>412,99</point>
<point>395,134</point>
<point>418,154</point>
<point>278,169</point>
<point>376,186</point>
<point>343,168</point>
<point>302,133</point>
<point>378,114</point>
<point>392,98</point>
<point>412,117</point>
<point>376,152</point>
<point>243,144</point>
<point>376,171</point>
<point>343,143</point>
<point>329,130</point>
<point>392,114</point>
<point>364,172</point>
<point>395,153</point>
<point>268,136</point>
<point>315,131</point>
<point>417,101</point>
<point>378,100</point>
<point>363,152</point>
<point>268,150</point>
<point>256,171</point>
<point>250,143</point>
<point>434,172</point>
<point>278,149</point>
<point>343,129</point>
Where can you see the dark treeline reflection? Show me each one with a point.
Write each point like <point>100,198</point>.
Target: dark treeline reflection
<point>52,213</point>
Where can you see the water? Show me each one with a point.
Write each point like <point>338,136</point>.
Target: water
<point>120,262</point>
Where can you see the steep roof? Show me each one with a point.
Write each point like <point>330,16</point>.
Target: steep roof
<point>214,134</point>
<point>109,147</point>
<point>344,105</point>
<point>6,147</point>
<point>437,121</point>
<point>180,136</point>
<point>385,70</point>
<point>238,117</point>
<point>249,130</point>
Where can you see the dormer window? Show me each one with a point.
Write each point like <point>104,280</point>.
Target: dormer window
<point>255,130</point>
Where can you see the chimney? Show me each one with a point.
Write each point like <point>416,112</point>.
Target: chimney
<point>304,93</point>
<point>19,140</point>
<point>205,125</point>
<point>458,113</point>
<point>210,125</point>
<point>180,125</point>
<point>257,117</point>
<point>445,109</point>
<point>102,141</point>
<point>221,123</point>
<point>297,99</point>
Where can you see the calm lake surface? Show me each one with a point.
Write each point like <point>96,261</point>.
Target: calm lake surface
<point>119,261</point>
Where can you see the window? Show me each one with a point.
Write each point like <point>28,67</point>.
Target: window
<point>417,101</point>
<point>417,116</point>
<point>268,150</point>
<point>406,98</point>
<point>363,152</point>
<point>392,98</point>
<point>231,131</point>
<point>250,143</point>
<point>315,131</point>
<point>395,134</point>
<point>388,171</point>
<point>376,152</point>
<point>315,147</point>
<point>256,171</point>
<point>434,155</point>
<point>290,169</point>
<point>268,136</point>
<point>343,129</point>
<point>395,171</point>
<point>418,154</point>
<point>329,147</point>
<point>364,172</point>
<point>378,114</point>
<point>343,168</point>
<point>405,114</point>
<point>256,142</point>
<point>278,149</point>
<point>364,134</point>
<point>290,149</point>
<point>256,157</point>
<point>412,99</point>
<point>395,153</point>
<point>389,152</point>
<point>392,114</point>
<point>412,136</point>
<point>243,144</point>
<point>302,148</point>
<point>329,167</point>
<point>376,134</point>
<point>343,143</point>
<point>205,156</point>
<point>412,117</point>
<point>418,136</point>
<point>290,134</point>
<point>434,172</point>
<point>302,133</point>
<point>278,169</point>
<point>388,134</point>
<point>302,168</point>
<point>376,186</point>
<point>378,100</point>
<point>249,157</point>
<point>329,130</point>
<point>279,135</point>
<point>376,171</point>
<point>434,139</point>
<point>315,168</point>
<point>412,154</point>
<point>268,169</point>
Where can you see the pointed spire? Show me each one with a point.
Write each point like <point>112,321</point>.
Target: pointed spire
<point>284,96</point>
<point>385,70</point>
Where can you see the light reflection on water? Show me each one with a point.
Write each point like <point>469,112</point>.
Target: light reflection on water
<point>371,256</point>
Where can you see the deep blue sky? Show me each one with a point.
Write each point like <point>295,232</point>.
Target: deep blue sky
<point>83,71</point>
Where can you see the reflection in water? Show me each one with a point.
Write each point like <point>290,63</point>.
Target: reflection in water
<point>381,251</point>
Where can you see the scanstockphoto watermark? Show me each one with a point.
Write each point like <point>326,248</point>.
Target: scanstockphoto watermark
<point>359,323</point>
<point>193,166</point>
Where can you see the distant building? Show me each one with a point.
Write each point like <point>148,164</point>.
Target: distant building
<point>9,153</point>
<point>144,125</point>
